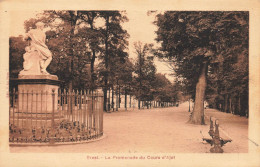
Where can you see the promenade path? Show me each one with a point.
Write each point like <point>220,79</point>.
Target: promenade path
<point>157,130</point>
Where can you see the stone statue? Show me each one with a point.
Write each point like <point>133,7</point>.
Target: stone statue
<point>27,64</point>
<point>37,56</point>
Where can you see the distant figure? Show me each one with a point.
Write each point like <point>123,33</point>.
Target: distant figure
<point>37,43</point>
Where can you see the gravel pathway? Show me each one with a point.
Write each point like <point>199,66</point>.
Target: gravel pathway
<point>158,130</point>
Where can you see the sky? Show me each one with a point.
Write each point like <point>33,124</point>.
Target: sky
<point>140,28</point>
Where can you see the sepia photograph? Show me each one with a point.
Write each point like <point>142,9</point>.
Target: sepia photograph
<point>131,85</point>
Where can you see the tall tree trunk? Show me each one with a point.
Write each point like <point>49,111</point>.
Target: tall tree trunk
<point>230,105</point>
<point>105,99</point>
<point>113,97</point>
<point>92,62</point>
<point>119,98</point>
<point>239,105</point>
<point>197,116</point>
<point>140,80</point>
<point>71,63</point>
<point>106,63</point>
<point>235,106</point>
<point>108,100</point>
<point>125,99</point>
<point>130,101</point>
<point>226,103</point>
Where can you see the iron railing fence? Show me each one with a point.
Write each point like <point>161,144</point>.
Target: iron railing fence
<point>51,117</point>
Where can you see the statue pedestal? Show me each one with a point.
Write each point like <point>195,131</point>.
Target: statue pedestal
<point>37,94</point>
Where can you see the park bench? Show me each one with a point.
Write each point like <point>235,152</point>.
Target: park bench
<point>217,138</point>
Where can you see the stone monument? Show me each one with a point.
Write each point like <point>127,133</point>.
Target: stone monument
<point>36,86</point>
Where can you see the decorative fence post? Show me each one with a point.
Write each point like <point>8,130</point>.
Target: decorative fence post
<point>52,138</point>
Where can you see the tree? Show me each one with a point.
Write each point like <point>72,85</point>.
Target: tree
<point>164,90</point>
<point>94,37</point>
<point>121,77</point>
<point>198,42</point>
<point>16,51</point>
<point>75,41</point>
<point>229,86</point>
<point>145,70</point>
<point>115,41</point>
